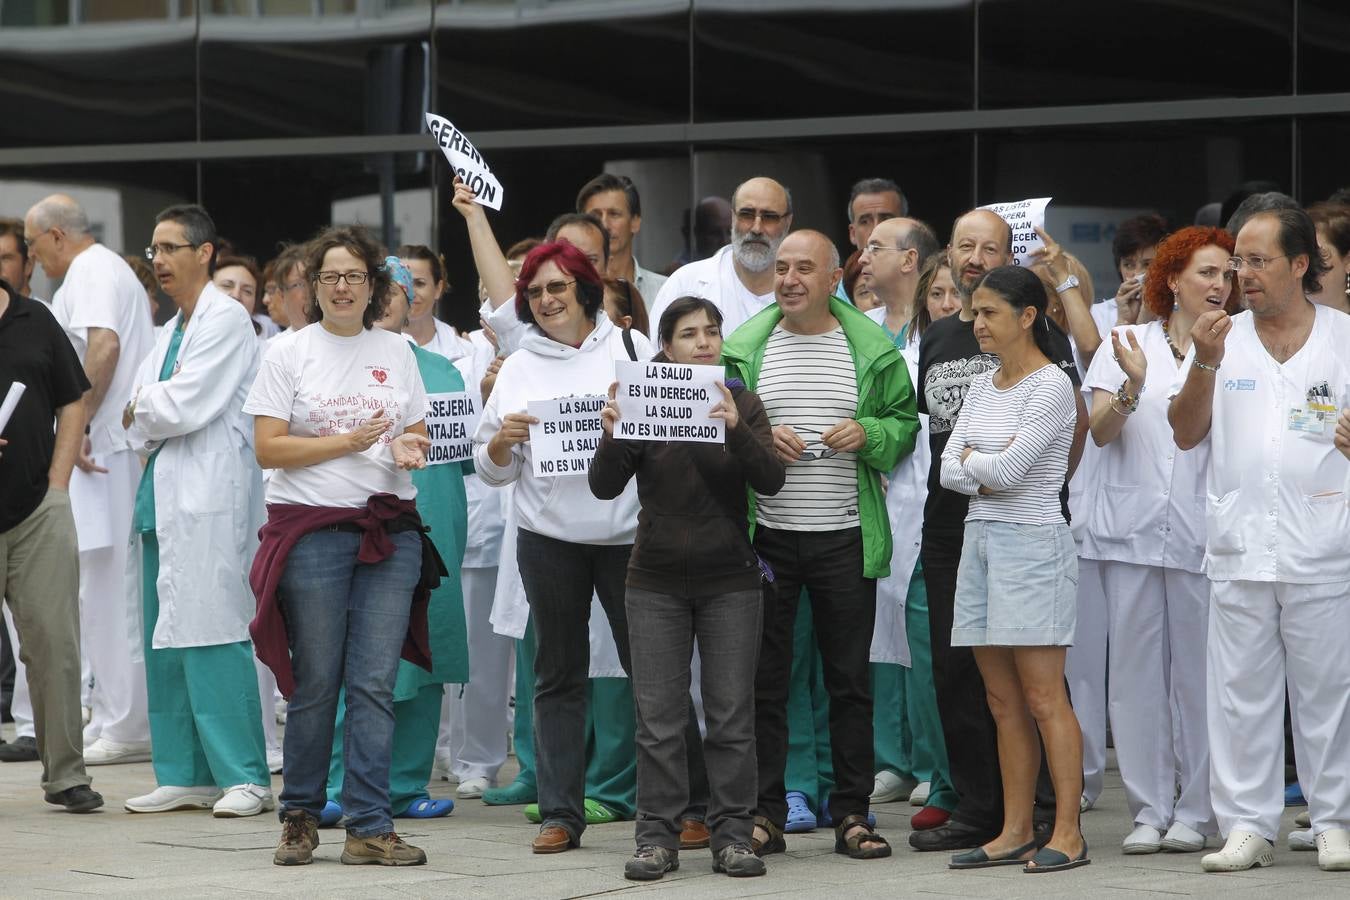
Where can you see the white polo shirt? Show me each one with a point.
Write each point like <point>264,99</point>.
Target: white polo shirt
<point>1277,506</point>
<point>1150,508</point>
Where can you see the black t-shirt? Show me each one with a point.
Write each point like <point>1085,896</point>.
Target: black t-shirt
<point>949,359</point>
<point>35,351</point>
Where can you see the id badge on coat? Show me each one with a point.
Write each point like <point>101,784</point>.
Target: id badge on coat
<point>1317,414</point>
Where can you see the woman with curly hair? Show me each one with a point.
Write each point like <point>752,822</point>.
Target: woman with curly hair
<point>342,589</point>
<point>1148,530</point>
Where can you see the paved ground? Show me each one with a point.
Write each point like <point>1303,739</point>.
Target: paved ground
<point>482,851</point>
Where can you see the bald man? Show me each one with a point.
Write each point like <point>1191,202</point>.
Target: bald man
<point>739,278</point>
<point>843,413</point>
<point>101,305</point>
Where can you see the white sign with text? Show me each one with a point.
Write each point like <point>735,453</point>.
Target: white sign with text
<point>452,418</point>
<point>564,439</point>
<point>668,402</point>
<point>467,162</point>
<point>1023,217</point>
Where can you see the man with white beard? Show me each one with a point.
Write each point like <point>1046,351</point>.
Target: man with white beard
<point>739,277</point>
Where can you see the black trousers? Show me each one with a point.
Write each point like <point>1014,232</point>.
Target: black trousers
<point>829,564</point>
<point>967,725</point>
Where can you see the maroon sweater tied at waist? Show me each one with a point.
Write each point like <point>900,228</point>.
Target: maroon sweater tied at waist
<point>287,523</point>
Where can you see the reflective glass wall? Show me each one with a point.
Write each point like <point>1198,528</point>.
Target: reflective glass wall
<point>283,115</point>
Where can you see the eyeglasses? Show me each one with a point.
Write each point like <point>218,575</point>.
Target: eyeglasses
<point>294,285</point>
<point>156,249</point>
<point>555,288</point>
<point>748,216</point>
<point>877,248</point>
<point>29,242</point>
<point>1255,263</point>
<point>352,278</point>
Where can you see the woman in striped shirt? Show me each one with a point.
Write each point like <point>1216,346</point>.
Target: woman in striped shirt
<point>1017,582</point>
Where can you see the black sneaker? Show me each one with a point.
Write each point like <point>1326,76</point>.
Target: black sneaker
<point>738,861</point>
<point>23,749</point>
<point>78,799</point>
<point>649,863</point>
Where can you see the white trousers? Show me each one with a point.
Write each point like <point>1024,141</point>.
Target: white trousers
<point>118,710</point>
<point>1263,635</point>
<point>474,716</point>
<point>267,696</point>
<point>1159,619</point>
<point>1085,668</point>
<point>20,704</point>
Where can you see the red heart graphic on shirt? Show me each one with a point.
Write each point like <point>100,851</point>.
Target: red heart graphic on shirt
<point>380,375</point>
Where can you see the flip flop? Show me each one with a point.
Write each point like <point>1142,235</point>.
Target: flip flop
<point>979,859</point>
<point>1047,860</point>
<point>598,813</point>
<point>426,808</point>
<point>800,819</point>
<point>331,815</point>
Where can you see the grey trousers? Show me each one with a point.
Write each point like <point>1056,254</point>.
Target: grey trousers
<point>662,629</point>
<point>40,580</point>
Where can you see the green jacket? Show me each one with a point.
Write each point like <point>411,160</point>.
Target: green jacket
<point>886,411</point>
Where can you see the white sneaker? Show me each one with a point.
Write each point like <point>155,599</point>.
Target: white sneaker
<point>472,788</point>
<point>1243,851</point>
<point>104,752</point>
<point>1333,850</point>
<point>888,787</point>
<point>919,796</point>
<point>274,761</point>
<point>1182,838</point>
<point>1303,819</point>
<point>1143,840</point>
<point>243,800</point>
<point>169,798</point>
<point>1302,840</point>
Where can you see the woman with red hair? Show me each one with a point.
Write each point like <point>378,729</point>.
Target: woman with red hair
<point>569,545</point>
<point>1148,530</point>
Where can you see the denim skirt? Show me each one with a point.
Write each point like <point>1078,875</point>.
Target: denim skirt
<point>1017,586</point>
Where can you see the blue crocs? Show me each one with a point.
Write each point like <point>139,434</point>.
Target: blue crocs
<point>800,819</point>
<point>331,815</point>
<point>426,808</point>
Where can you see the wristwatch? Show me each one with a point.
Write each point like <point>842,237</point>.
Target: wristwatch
<point>1067,284</point>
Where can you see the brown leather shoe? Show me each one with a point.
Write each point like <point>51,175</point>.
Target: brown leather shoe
<point>553,839</point>
<point>694,835</point>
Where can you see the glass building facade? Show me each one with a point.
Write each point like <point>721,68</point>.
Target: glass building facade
<point>283,115</point>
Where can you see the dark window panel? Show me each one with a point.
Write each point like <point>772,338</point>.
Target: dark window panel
<point>1066,52</point>
<point>107,83</point>
<point>1322,165</point>
<point>1323,47</point>
<point>564,65</point>
<point>297,76</point>
<point>829,61</point>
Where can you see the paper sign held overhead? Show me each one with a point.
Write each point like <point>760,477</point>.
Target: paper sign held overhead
<point>467,162</point>
<point>668,402</point>
<point>563,442</point>
<point>1023,217</point>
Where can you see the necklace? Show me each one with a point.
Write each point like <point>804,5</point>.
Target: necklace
<point>1171,345</point>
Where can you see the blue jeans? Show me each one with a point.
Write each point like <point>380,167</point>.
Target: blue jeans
<point>346,622</point>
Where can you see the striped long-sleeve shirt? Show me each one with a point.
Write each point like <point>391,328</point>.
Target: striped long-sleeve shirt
<point>1021,438</point>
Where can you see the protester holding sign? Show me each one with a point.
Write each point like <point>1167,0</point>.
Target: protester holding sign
<point>693,575</point>
<point>569,544</point>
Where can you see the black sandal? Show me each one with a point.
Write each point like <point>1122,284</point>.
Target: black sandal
<point>852,847</point>
<point>775,843</point>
